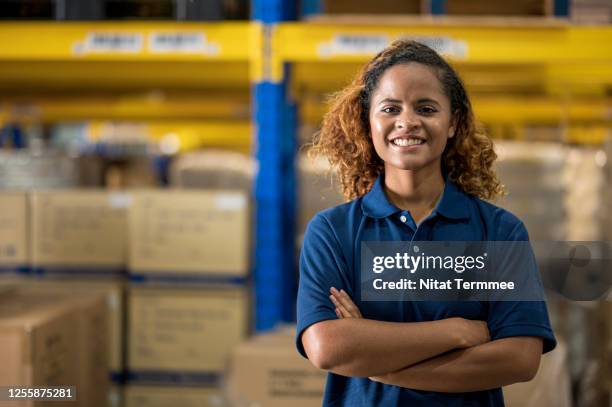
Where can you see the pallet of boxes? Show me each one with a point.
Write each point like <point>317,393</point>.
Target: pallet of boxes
<point>188,301</point>
<point>61,318</point>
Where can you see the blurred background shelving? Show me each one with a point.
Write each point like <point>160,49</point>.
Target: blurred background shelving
<point>188,122</point>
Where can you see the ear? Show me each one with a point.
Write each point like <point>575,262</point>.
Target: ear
<point>453,127</point>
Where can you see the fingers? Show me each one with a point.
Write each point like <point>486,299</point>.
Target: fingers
<point>344,304</point>
<point>347,302</point>
<point>341,311</point>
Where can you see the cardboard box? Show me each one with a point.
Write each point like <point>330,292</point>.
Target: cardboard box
<point>184,334</point>
<point>79,229</point>
<point>75,354</point>
<point>268,371</point>
<point>114,293</point>
<point>93,384</point>
<point>162,396</point>
<point>39,336</point>
<point>189,232</point>
<point>13,231</point>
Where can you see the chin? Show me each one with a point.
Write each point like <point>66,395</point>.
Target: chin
<point>408,165</point>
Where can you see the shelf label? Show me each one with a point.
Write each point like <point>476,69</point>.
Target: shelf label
<point>359,44</point>
<point>353,44</point>
<point>110,42</point>
<point>182,43</point>
<point>443,45</point>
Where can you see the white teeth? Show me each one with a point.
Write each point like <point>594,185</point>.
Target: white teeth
<point>402,142</point>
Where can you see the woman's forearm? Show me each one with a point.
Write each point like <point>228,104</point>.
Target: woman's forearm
<point>364,347</point>
<point>487,366</point>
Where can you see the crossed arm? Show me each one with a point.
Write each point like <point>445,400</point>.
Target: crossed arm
<point>450,355</point>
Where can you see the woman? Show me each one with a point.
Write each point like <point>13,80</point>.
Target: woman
<point>403,140</point>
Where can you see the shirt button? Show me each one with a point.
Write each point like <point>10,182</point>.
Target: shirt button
<point>403,218</point>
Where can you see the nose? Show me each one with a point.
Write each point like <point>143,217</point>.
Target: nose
<point>406,122</point>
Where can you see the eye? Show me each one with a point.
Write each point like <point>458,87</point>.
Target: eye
<point>390,109</point>
<point>427,110</point>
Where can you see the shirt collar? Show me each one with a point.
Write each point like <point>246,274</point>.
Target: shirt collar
<point>452,205</point>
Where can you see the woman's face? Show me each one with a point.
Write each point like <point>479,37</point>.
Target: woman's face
<point>410,118</point>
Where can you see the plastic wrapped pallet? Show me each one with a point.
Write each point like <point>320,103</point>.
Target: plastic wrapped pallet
<point>318,189</point>
<point>550,387</point>
<point>45,170</point>
<point>606,214</point>
<point>531,172</point>
<point>584,182</point>
<point>213,169</point>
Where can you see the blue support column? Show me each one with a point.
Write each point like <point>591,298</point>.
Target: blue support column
<point>562,8</point>
<point>275,119</point>
<point>437,7</point>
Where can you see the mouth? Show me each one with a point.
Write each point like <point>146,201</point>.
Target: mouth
<point>407,141</point>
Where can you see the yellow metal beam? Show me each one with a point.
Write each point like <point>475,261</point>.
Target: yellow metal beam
<point>184,135</point>
<point>513,44</point>
<point>154,106</point>
<point>124,41</point>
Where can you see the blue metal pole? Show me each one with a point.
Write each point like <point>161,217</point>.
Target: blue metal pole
<point>276,123</point>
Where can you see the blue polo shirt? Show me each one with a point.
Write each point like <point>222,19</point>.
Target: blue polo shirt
<point>330,258</point>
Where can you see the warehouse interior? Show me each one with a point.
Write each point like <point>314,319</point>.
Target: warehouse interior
<point>155,183</point>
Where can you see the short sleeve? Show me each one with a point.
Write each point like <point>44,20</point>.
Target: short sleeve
<point>322,266</point>
<point>520,318</point>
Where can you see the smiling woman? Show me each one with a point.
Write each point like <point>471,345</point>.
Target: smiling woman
<point>403,140</point>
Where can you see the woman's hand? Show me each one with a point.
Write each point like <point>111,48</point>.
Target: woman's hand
<point>345,307</point>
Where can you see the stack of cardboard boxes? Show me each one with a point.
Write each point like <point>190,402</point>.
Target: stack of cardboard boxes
<point>76,243</point>
<point>171,329</point>
<point>188,297</point>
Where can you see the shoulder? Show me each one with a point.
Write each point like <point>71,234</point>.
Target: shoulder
<point>336,222</point>
<point>504,224</point>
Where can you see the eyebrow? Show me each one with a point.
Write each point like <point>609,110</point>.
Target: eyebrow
<point>422,100</point>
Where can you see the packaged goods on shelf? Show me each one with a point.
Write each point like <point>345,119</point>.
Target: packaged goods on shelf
<point>49,339</point>
<point>591,11</point>
<point>318,189</point>
<point>268,371</point>
<point>550,388</point>
<point>22,169</point>
<point>79,231</point>
<point>184,336</point>
<point>532,173</point>
<point>164,396</point>
<point>137,172</point>
<point>213,169</point>
<point>453,8</point>
<point>13,232</point>
<point>202,233</point>
<point>368,7</point>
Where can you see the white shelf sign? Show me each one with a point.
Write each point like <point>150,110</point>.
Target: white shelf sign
<point>110,42</point>
<point>442,45</point>
<point>182,43</point>
<point>353,44</point>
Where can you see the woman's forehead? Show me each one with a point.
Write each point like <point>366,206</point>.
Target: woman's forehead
<point>411,80</point>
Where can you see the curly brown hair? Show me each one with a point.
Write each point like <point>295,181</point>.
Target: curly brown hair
<point>345,137</point>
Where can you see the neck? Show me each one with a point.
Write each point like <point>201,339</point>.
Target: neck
<point>410,190</point>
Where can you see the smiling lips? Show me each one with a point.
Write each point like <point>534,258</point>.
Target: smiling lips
<point>407,141</point>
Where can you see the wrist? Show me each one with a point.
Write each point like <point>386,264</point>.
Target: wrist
<point>455,331</point>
